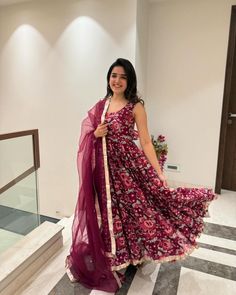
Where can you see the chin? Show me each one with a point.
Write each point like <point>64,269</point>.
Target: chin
<point>118,92</point>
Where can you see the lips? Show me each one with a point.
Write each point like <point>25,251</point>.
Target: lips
<point>117,87</point>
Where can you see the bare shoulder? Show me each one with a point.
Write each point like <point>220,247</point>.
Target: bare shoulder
<point>138,108</point>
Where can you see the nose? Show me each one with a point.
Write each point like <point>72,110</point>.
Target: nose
<point>117,79</point>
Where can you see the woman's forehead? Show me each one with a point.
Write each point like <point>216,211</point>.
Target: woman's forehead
<point>118,70</point>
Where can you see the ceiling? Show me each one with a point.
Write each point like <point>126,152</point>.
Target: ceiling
<point>9,2</point>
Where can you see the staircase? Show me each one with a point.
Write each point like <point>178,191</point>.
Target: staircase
<point>23,263</point>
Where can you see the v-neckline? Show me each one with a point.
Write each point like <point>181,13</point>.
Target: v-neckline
<point>108,113</point>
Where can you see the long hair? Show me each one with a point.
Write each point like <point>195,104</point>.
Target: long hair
<point>131,90</point>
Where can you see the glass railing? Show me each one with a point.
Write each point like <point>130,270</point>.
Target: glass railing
<point>19,162</point>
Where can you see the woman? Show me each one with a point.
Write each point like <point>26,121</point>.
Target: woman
<point>125,213</point>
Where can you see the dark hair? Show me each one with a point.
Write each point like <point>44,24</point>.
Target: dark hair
<point>131,90</point>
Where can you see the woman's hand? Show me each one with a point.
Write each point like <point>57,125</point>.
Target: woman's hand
<point>163,178</point>
<point>101,130</point>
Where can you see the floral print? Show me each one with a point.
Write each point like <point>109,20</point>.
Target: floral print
<point>150,221</point>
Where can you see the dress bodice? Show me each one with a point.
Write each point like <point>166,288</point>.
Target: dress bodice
<point>121,123</point>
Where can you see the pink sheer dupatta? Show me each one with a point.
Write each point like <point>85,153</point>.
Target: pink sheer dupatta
<point>87,262</point>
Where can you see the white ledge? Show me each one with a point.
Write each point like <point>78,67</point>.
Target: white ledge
<point>25,257</point>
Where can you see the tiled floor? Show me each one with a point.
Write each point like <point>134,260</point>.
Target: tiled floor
<point>223,211</point>
<point>211,269</point>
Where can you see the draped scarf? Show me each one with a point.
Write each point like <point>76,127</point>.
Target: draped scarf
<point>87,262</point>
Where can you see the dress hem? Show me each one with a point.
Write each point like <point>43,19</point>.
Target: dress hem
<point>161,260</point>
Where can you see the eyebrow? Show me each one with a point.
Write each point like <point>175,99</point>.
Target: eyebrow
<point>118,74</point>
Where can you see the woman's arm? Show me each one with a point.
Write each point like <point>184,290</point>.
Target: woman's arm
<point>145,139</point>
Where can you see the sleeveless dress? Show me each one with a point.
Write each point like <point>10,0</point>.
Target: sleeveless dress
<point>150,221</point>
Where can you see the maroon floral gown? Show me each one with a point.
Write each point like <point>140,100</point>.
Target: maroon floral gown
<point>150,221</point>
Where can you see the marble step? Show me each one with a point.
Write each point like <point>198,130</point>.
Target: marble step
<point>67,225</point>
<point>25,257</point>
<point>54,268</point>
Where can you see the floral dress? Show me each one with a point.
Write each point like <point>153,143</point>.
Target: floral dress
<point>149,221</point>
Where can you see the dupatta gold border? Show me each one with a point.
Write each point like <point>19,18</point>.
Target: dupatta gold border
<point>107,182</point>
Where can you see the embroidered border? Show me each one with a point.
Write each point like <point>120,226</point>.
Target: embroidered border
<point>98,212</point>
<point>107,182</point>
<point>161,260</point>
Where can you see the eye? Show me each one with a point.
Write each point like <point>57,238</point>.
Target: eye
<point>113,75</point>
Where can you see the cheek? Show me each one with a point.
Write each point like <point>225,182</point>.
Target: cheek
<point>125,84</point>
<point>112,81</point>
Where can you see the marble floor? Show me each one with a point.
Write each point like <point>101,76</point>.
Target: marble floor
<point>8,239</point>
<point>209,270</point>
<point>16,223</point>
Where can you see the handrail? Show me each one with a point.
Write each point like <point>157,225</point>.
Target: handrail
<point>35,138</point>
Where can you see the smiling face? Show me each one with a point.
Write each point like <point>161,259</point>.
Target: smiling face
<point>118,80</point>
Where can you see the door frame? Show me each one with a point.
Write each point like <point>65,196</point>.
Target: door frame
<point>225,107</point>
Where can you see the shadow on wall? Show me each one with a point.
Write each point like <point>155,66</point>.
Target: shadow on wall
<point>63,15</point>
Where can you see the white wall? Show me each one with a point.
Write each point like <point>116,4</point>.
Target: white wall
<point>187,53</point>
<point>141,46</point>
<point>54,56</point>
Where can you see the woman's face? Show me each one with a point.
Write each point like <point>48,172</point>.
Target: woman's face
<point>118,80</point>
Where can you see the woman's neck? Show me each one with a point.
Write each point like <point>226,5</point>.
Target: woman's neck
<point>117,97</point>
